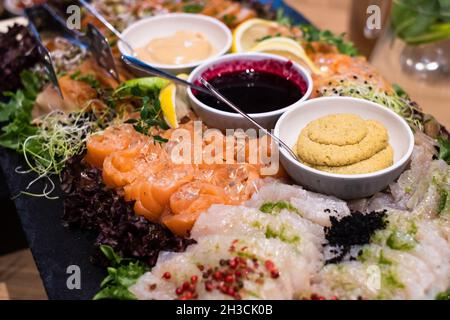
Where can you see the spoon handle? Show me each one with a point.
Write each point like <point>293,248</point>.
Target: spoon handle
<point>208,89</point>
<point>246,116</point>
<point>141,65</point>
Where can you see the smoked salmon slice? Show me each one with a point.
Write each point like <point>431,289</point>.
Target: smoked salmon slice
<point>163,190</point>
<point>113,139</point>
<point>188,202</point>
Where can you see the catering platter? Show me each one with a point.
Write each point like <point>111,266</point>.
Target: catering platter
<point>134,187</point>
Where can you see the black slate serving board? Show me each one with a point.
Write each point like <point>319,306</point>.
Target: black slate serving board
<point>55,248</point>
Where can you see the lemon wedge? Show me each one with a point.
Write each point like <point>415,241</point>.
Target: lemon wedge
<point>174,102</point>
<point>287,48</point>
<point>247,34</point>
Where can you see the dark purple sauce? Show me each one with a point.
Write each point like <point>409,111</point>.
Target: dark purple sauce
<point>254,86</point>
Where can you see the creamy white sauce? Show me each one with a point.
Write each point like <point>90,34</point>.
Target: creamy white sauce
<point>179,48</point>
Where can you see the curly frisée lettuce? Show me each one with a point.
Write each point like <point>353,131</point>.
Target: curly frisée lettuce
<point>89,205</point>
<point>122,274</point>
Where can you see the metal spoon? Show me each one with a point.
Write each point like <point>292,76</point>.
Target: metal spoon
<point>246,116</point>
<point>209,90</point>
<point>145,67</point>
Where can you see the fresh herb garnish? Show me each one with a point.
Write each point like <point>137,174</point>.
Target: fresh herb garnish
<point>150,117</point>
<point>160,139</point>
<point>312,34</point>
<point>282,18</point>
<point>444,201</point>
<point>443,295</point>
<point>140,87</point>
<point>276,207</point>
<point>444,149</point>
<point>193,8</point>
<point>147,91</point>
<point>278,34</point>
<point>86,78</point>
<point>229,19</point>
<point>122,274</point>
<point>17,112</point>
<point>400,91</point>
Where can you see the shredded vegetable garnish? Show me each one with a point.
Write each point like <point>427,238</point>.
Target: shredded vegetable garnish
<point>401,105</point>
<point>58,138</point>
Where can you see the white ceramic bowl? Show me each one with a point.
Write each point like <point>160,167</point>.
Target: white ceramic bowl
<point>229,120</point>
<point>138,34</point>
<point>347,187</point>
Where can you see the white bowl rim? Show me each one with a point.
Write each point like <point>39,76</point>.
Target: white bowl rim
<point>300,69</point>
<point>226,47</point>
<point>378,173</point>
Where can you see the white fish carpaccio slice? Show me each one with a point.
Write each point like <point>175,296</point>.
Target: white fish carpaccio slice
<point>313,206</point>
<point>208,252</point>
<point>419,273</point>
<point>305,237</point>
<point>293,241</point>
<point>368,280</point>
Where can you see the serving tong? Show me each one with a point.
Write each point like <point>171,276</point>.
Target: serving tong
<point>93,40</point>
<point>44,54</point>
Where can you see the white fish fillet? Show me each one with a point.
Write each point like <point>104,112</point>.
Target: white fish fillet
<point>304,237</point>
<point>208,252</point>
<point>419,273</point>
<point>294,242</point>
<point>312,206</point>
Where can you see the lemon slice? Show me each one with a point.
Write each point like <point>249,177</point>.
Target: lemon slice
<point>287,48</point>
<point>174,102</point>
<point>247,34</point>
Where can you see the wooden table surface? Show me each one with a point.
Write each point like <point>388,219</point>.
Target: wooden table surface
<point>19,278</point>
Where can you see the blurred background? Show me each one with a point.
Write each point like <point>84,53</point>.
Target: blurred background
<point>411,48</point>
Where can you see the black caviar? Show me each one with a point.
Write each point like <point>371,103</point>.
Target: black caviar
<point>354,229</point>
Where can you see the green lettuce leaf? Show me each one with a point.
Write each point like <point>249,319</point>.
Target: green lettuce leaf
<point>122,274</point>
